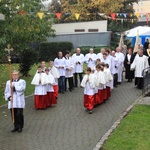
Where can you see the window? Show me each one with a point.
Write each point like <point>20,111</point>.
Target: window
<point>79,30</point>
<point>93,30</point>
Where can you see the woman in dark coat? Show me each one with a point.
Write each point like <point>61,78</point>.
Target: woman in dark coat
<point>129,74</point>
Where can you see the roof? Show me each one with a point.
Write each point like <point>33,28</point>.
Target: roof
<point>141,30</point>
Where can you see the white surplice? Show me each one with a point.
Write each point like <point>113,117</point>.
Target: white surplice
<point>69,67</point>
<point>60,63</point>
<point>18,94</point>
<point>78,68</point>
<point>120,57</point>
<point>50,85</point>
<point>40,87</point>
<point>89,86</point>
<point>90,59</point>
<point>139,64</point>
<point>54,72</point>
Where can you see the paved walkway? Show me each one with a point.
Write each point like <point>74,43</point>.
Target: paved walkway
<point>67,126</point>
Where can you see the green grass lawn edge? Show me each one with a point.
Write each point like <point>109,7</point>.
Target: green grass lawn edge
<point>133,132</point>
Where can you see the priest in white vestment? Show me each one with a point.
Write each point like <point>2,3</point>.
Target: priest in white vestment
<point>100,55</point>
<point>91,58</point>
<point>78,60</point>
<point>60,64</point>
<point>120,56</point>
<point>69,71</point>
<point>139,64</point>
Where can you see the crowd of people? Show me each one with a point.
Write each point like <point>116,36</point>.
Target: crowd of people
<point>104,71</point>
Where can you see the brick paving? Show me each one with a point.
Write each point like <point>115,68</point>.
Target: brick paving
<point>67,126</point>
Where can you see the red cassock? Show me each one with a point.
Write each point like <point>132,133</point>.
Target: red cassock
<point>55,87</point>
<point>40,101</point>
<point>51,99</point>
<point>108,91</point>
<point>104,94</point>
<point>89,101</point>
<point>98,98</point>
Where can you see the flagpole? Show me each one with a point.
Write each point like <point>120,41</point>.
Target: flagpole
<point>10,77</point>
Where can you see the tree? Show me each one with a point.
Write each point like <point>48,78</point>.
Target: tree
<point>22,25</point>
<point>123,24</point>
<point>54,6</point>
<point>88,9</point>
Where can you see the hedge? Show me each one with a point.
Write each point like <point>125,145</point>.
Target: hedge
<point>49,51</point>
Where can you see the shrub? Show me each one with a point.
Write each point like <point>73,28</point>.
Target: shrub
<point>49,51</point>
<point>27,59</point>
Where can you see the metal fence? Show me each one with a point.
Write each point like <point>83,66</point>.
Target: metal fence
<point>146,81</point>
<point>84,39</point>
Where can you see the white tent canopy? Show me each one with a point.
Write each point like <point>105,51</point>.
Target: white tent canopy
<point>140,30</point>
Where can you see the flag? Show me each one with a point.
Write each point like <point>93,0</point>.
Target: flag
<point>136,42</point>
<point>77,16</point>
<point>40,14</point>
<point>58,15</point>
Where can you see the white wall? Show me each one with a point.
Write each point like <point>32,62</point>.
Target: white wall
<point>69,28</point>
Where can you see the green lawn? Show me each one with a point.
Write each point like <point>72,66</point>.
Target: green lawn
<point>133,133</point>
<point>4,76</point>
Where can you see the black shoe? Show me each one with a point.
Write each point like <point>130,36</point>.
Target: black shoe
<point>19,130</point>
<point>90,111</point>
<point>70,90</point>
<point>14,130</point>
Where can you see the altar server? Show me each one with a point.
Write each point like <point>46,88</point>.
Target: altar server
<point>54,72</point>
<point>88,83</point>
<point>16,100</point>
<point>40,80</point>
<point>51,99</point>
<point>100,82</point>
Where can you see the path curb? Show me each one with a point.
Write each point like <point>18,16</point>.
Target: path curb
<point>114,126</point>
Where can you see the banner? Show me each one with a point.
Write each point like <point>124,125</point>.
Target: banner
<point>136,42</point>
<point>121,43</point>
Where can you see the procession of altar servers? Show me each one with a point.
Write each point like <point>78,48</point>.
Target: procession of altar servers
<point>97,88</point>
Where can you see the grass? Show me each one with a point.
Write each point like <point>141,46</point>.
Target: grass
<point>4,76</point>
<point>133,132</point>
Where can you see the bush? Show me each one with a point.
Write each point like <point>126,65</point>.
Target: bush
<point>49,51</point>
<point>27,59</point>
